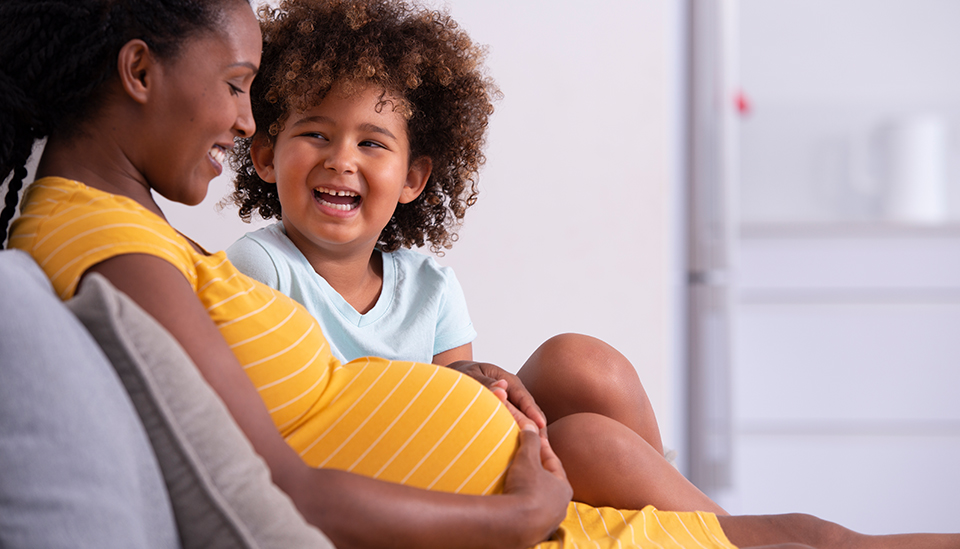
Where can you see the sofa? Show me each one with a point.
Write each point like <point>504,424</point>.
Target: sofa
<point>109,436</point>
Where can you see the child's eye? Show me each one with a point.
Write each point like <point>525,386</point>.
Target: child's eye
<point>372,144</point>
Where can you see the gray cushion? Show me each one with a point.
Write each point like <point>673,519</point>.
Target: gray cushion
<point>221,490</point>
<point>76,468</point>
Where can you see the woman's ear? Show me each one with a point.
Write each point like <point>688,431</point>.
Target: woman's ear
<point>417,177</point>
<point>261,152</point>
<point>135,65</point>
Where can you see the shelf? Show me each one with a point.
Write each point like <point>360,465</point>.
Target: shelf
<point>863,229</point>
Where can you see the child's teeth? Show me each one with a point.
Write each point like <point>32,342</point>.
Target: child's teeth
<point>341,207</point>
<point>320,192</point>
<point>332,192</point>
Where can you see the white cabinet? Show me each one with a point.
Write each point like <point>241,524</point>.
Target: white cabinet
<point>846,377</point>
<point>828,133</point>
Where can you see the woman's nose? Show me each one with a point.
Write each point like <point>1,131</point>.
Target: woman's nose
<point>244,125</point>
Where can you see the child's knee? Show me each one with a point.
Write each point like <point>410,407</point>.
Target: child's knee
<point>580,353</point>
<point>588,363</point>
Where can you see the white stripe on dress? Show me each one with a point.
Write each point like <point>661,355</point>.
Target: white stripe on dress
<point>293,374</point>
<point>418,429</point>
<point>633,534</point>
<point>493,450</point>
<point>605,529</point>
<point>395,420</point>
<point>443,437</point>
<point>347,411</point>
<point>463,449</point>
<point>250,314</point>
<point>281,352</point>
<point>369,417</point>
<point>272,329</point>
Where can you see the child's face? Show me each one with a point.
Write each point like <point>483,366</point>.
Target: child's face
<point>341,168</point>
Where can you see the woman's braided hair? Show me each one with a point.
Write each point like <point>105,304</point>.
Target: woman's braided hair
<point>419,55</point>
<point>55,55</point>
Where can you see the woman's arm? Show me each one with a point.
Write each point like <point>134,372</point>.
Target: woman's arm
<point>362,512</point>
<point>354,511</point>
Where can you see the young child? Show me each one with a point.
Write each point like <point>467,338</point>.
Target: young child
<point>371,121</point>
<point>365,196</point>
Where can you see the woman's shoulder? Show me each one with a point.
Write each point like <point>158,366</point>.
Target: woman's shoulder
<point>67,227</point>
<point>55,203</point>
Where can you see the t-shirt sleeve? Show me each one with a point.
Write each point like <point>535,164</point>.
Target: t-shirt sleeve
<point>454,327</point>
<point>249,257</point>
<point>76,228</point>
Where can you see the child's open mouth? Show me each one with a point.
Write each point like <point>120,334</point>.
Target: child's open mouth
<point>338,200</point>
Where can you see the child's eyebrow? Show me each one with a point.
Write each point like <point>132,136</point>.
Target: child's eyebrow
<point>367,127</point>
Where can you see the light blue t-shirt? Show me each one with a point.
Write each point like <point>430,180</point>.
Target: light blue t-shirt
<point>421,310</point>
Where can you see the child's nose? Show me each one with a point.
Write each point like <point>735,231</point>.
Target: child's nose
<point>342,159</point>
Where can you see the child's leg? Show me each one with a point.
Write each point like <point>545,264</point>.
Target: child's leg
<point>610,465</point>
<point>750,531</point>
<point>603,428</point>
<point>573,373</point>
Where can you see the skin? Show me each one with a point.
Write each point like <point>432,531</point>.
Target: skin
<point>113,153</point>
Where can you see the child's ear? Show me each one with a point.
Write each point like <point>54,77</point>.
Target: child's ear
<point>136,66</point>
<point>417,177</point>
<point>261,152</point>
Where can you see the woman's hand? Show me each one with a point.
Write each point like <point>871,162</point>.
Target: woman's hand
<point>509,389</point>
<point>537,474</point>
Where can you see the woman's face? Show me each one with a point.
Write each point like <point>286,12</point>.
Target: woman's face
<point>202,103</point>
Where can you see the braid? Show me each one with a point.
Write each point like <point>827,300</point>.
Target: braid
<point>13,189</point>
<point>55,56</point>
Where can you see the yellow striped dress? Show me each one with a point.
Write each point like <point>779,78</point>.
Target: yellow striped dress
<point>415,424</point>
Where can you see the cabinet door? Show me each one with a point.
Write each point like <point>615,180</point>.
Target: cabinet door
<point>846,377</point>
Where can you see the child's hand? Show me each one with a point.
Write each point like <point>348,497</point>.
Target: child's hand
<point>510,390</point>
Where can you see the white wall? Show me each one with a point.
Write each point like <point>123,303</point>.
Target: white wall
<point>828,81</point>
<point>577,224</point>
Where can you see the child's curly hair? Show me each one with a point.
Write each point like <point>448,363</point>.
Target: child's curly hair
<point>419,55</point>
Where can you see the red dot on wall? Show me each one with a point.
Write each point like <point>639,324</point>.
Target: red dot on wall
<point>742,103</point>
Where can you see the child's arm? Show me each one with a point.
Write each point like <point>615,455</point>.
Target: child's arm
<point>446,358</point>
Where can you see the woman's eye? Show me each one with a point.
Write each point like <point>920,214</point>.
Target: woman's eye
<point>234,90</point>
